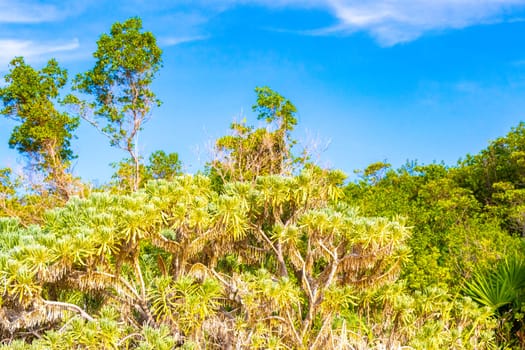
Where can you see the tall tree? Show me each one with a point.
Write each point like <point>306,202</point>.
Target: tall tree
<point>251,152</point>
<point>127,61</point>
<point>44,133</point>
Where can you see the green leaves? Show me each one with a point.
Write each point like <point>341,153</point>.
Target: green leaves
<point>127,61</point>
<point>505,285</point>
<point>231,217</point>
<point>257,254</point>
<point>43,133</point>
<point>185,303</point>
<point>502,291</point>
<point>273,107</point>
<point>251,152</point>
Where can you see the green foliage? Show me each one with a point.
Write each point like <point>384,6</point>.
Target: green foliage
<point>127,59</point>
<point>157,338</point>
<point>160,166</point>
<point>452,234</point>
<point>122,251</point>
<point>375,172</point>
<point>258,253</point>
<point>496,177</point>
<point>124,177</point>
<point>164,166</point>
<point>29,98</point>
<point>127,62</point>
<point>464,221</point>
<point>503,160</point>
<point>44,132</point>
<point>502,289</point>
<point>9,204</point>
<point>185,303</point>
<point>251,152</point>
<point>272,107</point>
<point>431,318</point>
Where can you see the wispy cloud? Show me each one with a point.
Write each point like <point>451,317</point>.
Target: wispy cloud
<point>468,87</point>
<point>396,21</point>
<point>23,11</point>
<point>177,40</point>
<point>389,22</point>
<point>392,22</point>
<point>32,51</point>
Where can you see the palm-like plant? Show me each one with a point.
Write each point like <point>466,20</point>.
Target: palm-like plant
<point>500,288</point>
<point>503,291</point>
<point>185,209</point>
<point>156,339</point>
<point>153,255</point>
<point>185,304</point>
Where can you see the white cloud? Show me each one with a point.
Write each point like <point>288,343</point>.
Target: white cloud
<point>396,21</point>
<point>392,22</point>
<point>28,12</point>
<point>172,41</point>
<point>32,51</point>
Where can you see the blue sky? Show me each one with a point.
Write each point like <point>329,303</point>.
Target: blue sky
<point>394,80</point>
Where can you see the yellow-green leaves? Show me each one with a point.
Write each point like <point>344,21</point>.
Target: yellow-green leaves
<point>251,152</point>
<point>273,262</point>
<point>185,303</point>
<point>20,283</point>
<point>231,217</point>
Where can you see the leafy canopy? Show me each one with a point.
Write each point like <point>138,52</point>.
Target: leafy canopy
<point>30,99</point>
<point>250,152</point>
<point>44,132</point>
<point>127,60</point>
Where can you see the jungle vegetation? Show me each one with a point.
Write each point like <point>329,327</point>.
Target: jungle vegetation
<point>262,249</point>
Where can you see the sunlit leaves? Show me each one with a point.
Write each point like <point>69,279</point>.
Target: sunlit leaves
<point>157,339</point>
<point>43,133</point>
<point>154,254</point>
<point>231,217</point>
<point>127,60</point>
<point>185,303</point>
<point>20,283</point>
<point>337,299</point>
<point>503,286</point>
<point>251,152</point>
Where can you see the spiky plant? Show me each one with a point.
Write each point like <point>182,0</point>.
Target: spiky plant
<point>503,291</point>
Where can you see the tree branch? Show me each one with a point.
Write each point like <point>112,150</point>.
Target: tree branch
<point>71,307</point>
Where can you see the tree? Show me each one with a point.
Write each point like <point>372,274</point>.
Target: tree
<point>160,166</point>
<point>164,166</point>
<point>44,133</point>
<point>127,61</point>
<point>8,199</point>
<point>251,152</point>
<point>502,161</point>
<point>123,179</point>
